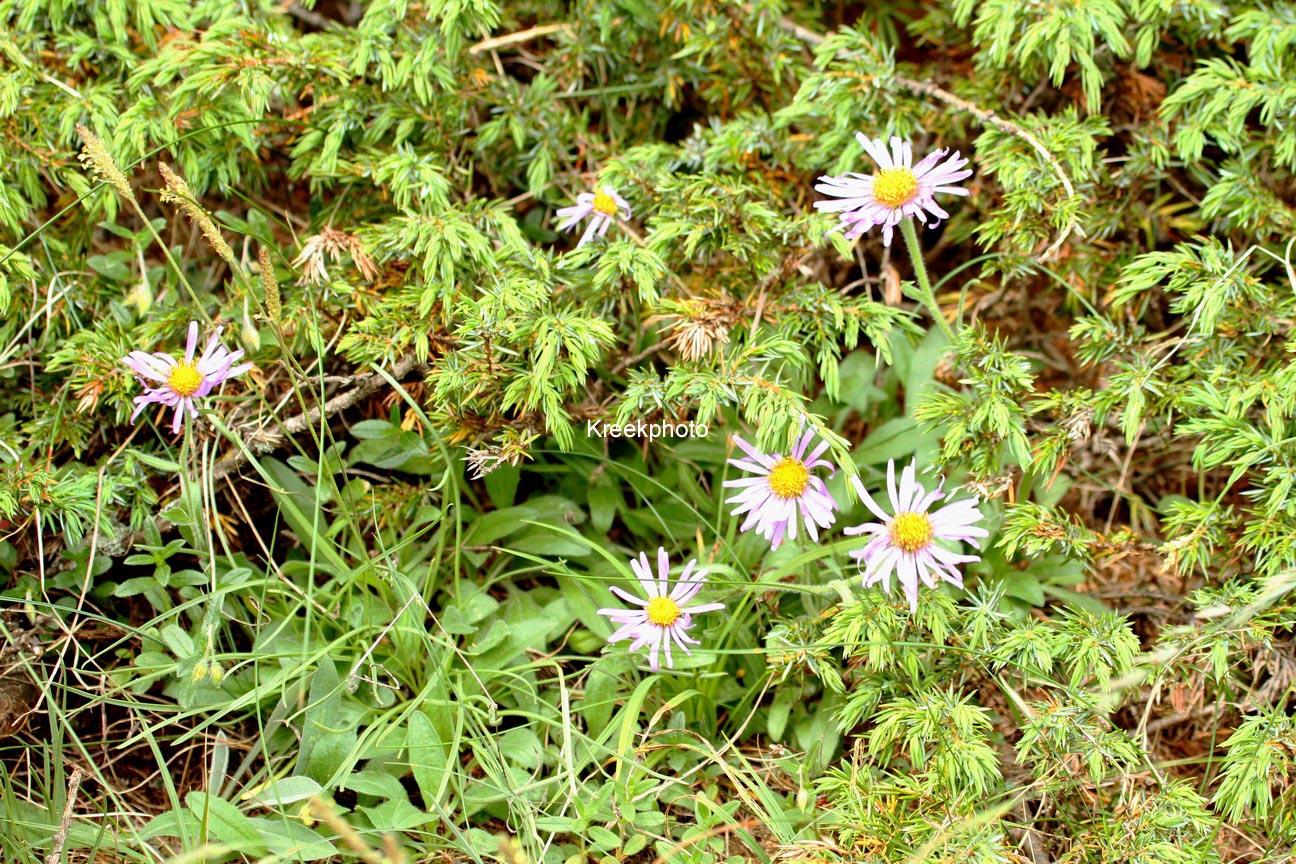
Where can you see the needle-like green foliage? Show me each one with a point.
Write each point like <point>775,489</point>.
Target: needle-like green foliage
<point>351,612</point>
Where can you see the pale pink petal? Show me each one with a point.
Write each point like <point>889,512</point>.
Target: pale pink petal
<point>193,342</point>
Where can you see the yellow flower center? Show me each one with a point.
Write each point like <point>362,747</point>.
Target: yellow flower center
<point>663,611</point>
<point>894,187</point>
<point>605,204</point>
<point>789,478</point>
<point>911,531</point>
<point>185,379</point>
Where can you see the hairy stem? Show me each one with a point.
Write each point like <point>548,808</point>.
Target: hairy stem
<point>925,294</point>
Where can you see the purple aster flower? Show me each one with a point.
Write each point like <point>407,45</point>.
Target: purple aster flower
<point>183,381</point>
<point>602,208</point>
<point>905,542</point>
<point>897,190</point>
<point>662,618</point>
<point>783,493</point>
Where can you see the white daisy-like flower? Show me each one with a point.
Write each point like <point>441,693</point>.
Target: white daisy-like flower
<point>897,190</point>
<point>603,207</point>
<point>784,493</point>
<point>663,617</point>
<point>905,542</point>
<point>184,381</point>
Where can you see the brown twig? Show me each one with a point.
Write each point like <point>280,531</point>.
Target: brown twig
<point>264,440</point>
<point>56,851</point>
<point>790,263</point>
<point>630,360</point>
<point>992,119</point>
<point>308,16</point>
<point>986,117</point>
<point>1161,723</point>
<point>514,38</point>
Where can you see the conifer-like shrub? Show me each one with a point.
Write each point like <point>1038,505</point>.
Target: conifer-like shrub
<point>647,431</point>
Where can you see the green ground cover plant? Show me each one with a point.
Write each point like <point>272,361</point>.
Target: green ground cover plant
<point>647,431</point>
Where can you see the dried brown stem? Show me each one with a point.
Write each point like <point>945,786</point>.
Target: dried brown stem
<point>516,38</point>
<point>988,118</point>
<point>264,440</point>
<point>56,851</point>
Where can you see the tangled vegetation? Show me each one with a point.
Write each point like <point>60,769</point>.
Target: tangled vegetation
<point>336,585</point>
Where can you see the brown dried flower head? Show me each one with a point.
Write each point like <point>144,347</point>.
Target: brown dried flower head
<point>697,329</point>
<point>511,451</point>
<point>331,244</point>
<point>1079,426</point>
<point>88,396</point>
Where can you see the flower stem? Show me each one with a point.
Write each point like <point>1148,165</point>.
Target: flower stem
<point>925,294</point>
<point>190,498</point>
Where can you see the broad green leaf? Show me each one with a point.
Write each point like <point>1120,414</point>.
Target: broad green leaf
<point>293,841</point>
<point>226,823</point>
<point>327,738</point>
<point>286,790</point>
<point>502,483</point>
<point>780,709</point>
<point>430,756</point>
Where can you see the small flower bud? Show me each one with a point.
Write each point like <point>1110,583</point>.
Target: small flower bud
<point>249,335</point>
<point>141,297</point>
